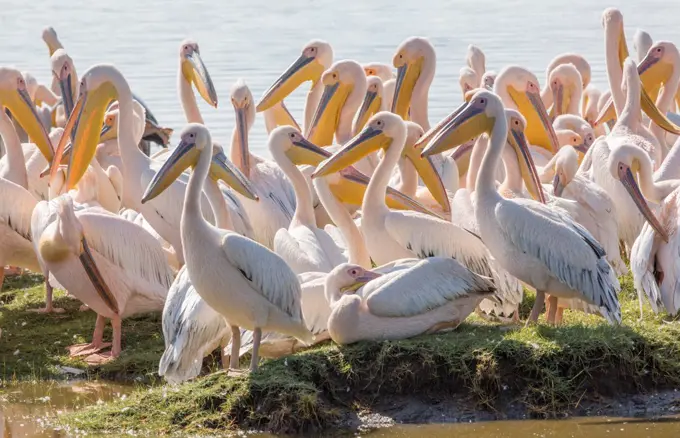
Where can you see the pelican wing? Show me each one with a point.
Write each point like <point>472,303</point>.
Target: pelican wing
<point>266,271</point>
<point>191,328</point>
<point>16,208</point>
<point>463,214</point>
<point>564,247</point>
<point>238,214</point>
<point>308,249</point>
<point>126,245</point>
<point>427,285</point>
<point>430,237</point>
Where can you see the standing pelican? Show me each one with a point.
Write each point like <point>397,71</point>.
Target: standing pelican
<point>541,246</point>
<point>264,292</point>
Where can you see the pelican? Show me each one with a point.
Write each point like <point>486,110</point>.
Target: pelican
<point>316,57</point>
<point>468,79</point>
<point>519,90</point>
<point>302,245</point>
<point>489,79</point>
<point>415,62</point>
<point>277,202</point>
<point>566,87</point>
<point>654,255</point>
<point>541,246</point>
<point>642,42</point>
<point>388,310</point>
<point>392,235</point>
<point>476,61</point>
<point>380,70</point>
<point>16,202</point>
<point>49,36</point>
<point>99,85</point>
<point>374,102</point>
<point>575,60</point>
<point>589,107</point>
<point>576,124</point>
<point>264,292</point>
<point>568,183</point>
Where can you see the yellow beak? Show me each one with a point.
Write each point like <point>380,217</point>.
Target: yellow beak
<point>469,123</point>
<point>527,167</point>
<point>370,106</point>
<point>427,171</point>
<point>283,117</point>
<point>407,76</point>
<point>539,129</point>
<point>368,140</point>
<point>305,68</point>
<point>196,73</point>
<point>223,169</point>
<point>327,115</point>
<point>23,111</point>
<point>630,184</point>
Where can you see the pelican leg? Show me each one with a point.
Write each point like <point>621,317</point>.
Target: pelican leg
<point>235,347</point>
<point>553,309</point>
<point>559,315</point>
<point>102,358</point>
<point>223,355</point>
<point>257,337</point>
<point>48,298</point>
<point>538,306</point>
<point>97,341</point>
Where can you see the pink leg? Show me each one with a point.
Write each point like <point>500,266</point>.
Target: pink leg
<point>102,358</point>
<point>553,309</point>
<point>48,299</point>
<point>559,316</point>
<point>97,341</point>
<point>538,306</point>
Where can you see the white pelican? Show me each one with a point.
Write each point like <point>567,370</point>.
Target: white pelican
<point>415,62</point>
<point>590,109</point>
<point>568,183</point>
<point>573,59</point>
<point>565,84</point>
<point>316,57</point>
<point>16,202</point>
<point>654,256</point>
<point>302,245</point>
<point>383,71</point>
<point>49,36</point>
<point>579,126</point>
<point>642,42</point>
<point>387,308</point>
<point>264,292</point>
<point>476,60</point>
<point>392,235</point>
<point>99,85</point>
<point>374,102</point>
<point>276,204</point>
<point>541,246</point>
<point>468,79</point>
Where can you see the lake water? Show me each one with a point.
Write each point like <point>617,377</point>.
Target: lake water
<point>256,40</point>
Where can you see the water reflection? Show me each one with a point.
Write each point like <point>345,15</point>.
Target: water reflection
<point>28,409</point>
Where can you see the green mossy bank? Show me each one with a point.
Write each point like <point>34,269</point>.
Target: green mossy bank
<point>545,371</point>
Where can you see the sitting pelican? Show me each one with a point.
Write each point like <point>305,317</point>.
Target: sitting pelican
<point>387,309</point>
<point>263,291</point>
<point>539,245</point>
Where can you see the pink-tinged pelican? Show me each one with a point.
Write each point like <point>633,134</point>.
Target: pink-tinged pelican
<point>16,202</point>
<point>316,58</point>
<point>378,69</point>
<point>264,292</point>
<point>565,84</point>
<point>49,36</point>
<point>539,245</point>
<point>415,62</point>
<point>386,308</point>
<point>575,60</point>
<point>579,126</point>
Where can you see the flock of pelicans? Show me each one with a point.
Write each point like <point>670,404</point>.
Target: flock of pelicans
<point>519,186</point>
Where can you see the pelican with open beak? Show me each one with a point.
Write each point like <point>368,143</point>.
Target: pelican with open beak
<point>315,58</point>
<point>519,89</point>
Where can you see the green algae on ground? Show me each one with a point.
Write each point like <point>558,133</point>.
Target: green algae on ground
<point>548,371</point>
<point>33,345</point>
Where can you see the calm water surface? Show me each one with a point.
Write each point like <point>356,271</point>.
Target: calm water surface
<point>256,40</point>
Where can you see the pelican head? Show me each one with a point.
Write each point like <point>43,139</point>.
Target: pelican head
<point>378,134</point>
<point>566,166</point>
<point>658,64</point>
<point>575,60</point>
<point>316,57</point>
<point>194,71</point>
<point>193,140</point>
<point>625,161</point>
<point>476,60</point>
<point>242,100</point>
<point>488,79</point>
<point>49,35</point>
<point>64,71</point>
<point>577,124</point>
<point>518,142</point>
<point>339,81</point>
<point>14,97</point>
<point>415,60</point>
<point>563,81</point>
<point>348,278</point>
<point>468,79</point>
<point>519,87</point>
<point>589,104</point>
<point>289,141</point>
<point>379,69</point>
<point>110,127</point>
<point>373,102</point>
<point>567,137</point>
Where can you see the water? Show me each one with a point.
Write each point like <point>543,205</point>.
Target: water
<point>257,39</point>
